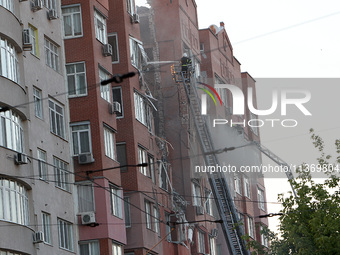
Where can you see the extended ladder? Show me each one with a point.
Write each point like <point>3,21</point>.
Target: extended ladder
<point>224,202</point>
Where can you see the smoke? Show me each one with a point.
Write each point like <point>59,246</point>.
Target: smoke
<point>141,3</point>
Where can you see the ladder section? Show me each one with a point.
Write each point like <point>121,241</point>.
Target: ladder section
<point>278,161</point>
<point>219,186</point>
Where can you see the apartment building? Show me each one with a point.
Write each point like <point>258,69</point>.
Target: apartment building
<point>36,182</point>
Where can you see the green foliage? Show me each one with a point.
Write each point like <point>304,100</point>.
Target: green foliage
<point>310,223</point>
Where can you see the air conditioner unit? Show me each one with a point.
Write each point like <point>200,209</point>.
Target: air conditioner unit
<point>107,50</point>
<point>114,108</point>
<point>52,14</point>
<point>88,218</point>
<point>36,5</point>
<point>21,159</point>
<point>214,232</point>
<point>199,210</point>
<point>26,40</point>
<point>38,237</point>
<point>85,158</point>
<point>135,18</point>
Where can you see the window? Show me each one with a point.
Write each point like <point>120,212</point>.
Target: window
<point>148,214</point>
<point>11,131</point>
<point>238,187</point>
<point>137,53</point>
<point>34,40</point>
<point>250,222</point>
<point>8,4</point>
<point>201,242</point>
<point>42,166</point>
<point>50,4</point>
<point>72,21</point>
<point>121,156</point>
<point>65,235</point>
<point>209,202</point>
<point>104,90</point>
<point>3,252</point>
<point>241,221</point>
<point>46,225</point>
<point>9,66</point>
<point>51,55</point>
<point>131,6</point>
<point>85,197</point>
<point>37,98</point>
<point>57,120</point>
<point>61,174</point>
<point>140,108</point>
<point>156,218</point>
<point>264,238</point>
<point>116,249</point>
<point>151,166</point>
<point>127,212</point>
<point>76,79</point>
<point>89,248</point>
<point>141,160</point>
<point>196,192</point>
<point>113,41</point>
<point>246,186</point>
<point>117,97</point>
<point>13,202</point>
<point>109,143</point>
<point>116,201</point>
<point>163,177</point>
<point>212,246</point>
<point>100,27</point>
<point>260,197</point>
<point>167,226</point>
<point>81,138</point>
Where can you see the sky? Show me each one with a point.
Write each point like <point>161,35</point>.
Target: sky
<point>286,39</point>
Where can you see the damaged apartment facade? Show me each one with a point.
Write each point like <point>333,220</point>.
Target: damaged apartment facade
<point>105,201</point>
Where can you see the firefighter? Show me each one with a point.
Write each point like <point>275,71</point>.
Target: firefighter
<point>186,65</point>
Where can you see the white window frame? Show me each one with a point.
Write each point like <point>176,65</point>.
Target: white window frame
<point>131,7</point>
<point>140,112</point>
<point>61,173</point>
<point>92,247</point>
<point>51,54</point>
<point>148,207</point>
<point>77,134</point>
<point>246,183</point>
<point>116,201</point>
<point>34,39</point>
<point>11,131</point>
<point>86,201</point>
<point>250,223</point>
<point>13,202</point>
<point>65,233</point>
<point>151,168</point>
<point>200,242</point>
<point>212,246</point>
<point>38,107</point>
<point>260,195</point>
<point>118,90</point>
<point>58,117</point>
<point>163,184</point>
<point>196,193</point>
<point>73,16</point>
<point>42,166</point>
<point>238,184</point>
<point>115,48</point>
<point>109,142</point>
<point>100,27</point>
<point>9,65</point>
<point>50,4</point>
<point>142,158</point>
<point>8,4</point>
<point>104,89</point>
<point>264,239</point>
<point>116,249</point>
<point>78,87</point>
<point>46,227</point>
<point>209,202</point>
<point>156,220</point>
<point>136,55</point>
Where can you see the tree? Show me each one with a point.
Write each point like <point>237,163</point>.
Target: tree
<point>310,223</point>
